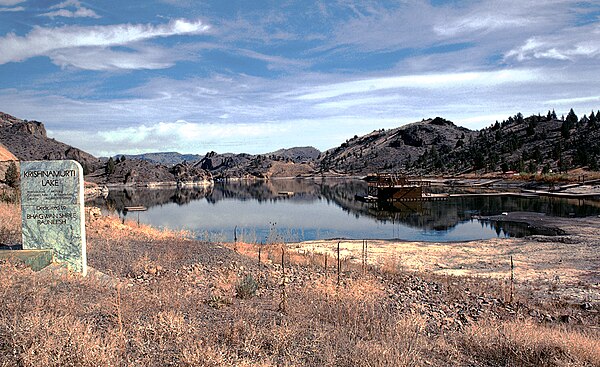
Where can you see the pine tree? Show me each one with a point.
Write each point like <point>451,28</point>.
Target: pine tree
<point>11,177</point>
<point>572,118</point>
<point>110,166</point>
<point>593,119</point>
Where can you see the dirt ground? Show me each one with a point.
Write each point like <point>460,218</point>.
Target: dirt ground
<point>564,267</point>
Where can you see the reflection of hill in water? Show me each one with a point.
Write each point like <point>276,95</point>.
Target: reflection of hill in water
<point>119,199</point>
<point>438,215</point>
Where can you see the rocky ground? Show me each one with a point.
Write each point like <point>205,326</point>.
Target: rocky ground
<point>562,267</point>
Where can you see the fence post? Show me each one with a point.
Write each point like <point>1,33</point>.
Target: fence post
<point>282,304</point>
<point>259,251</point>
<point>339,264</point>
<point>512,279</point>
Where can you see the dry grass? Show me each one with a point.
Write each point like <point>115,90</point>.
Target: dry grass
<point>526,344</point>
<point>10,224</point>
<point>172,301</point>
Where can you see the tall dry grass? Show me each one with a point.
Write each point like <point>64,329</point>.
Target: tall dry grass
<point>170,300</point>
<point>10,223</point>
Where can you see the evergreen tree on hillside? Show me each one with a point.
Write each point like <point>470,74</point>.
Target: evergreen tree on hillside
<point>554,114</point>
<point>11,177</point>
<point>519,118</point>
<point>572,118</point>
<point>110,166</point>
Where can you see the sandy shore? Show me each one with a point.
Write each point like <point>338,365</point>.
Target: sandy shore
<point>563,267</point>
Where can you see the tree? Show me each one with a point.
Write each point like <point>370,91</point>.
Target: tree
<point>565,129</point>
<point>572,118</point>
<point>519,118</point>
<point>123,158</point>
<point>110,166</point>
<point>11,177</point>
<point>593,118</point>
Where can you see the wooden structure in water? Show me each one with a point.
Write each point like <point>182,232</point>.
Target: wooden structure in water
<point>394,187</point>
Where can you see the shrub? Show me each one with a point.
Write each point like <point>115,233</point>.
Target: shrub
<point>246,288</point>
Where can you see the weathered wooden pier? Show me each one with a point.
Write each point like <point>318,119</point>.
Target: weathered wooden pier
<point>395,187</point>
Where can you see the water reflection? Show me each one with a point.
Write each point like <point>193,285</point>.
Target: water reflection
<point>295,210</point>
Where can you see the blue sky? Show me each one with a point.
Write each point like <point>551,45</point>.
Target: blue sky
<point>255,76</point>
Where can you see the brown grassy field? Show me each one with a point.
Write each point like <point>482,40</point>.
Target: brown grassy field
<point>158,298</point>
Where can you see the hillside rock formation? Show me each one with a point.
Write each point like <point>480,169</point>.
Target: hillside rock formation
<point>137,172</point>
<point>165,158</point>
<point>27,140</point>
<point>246,166</point>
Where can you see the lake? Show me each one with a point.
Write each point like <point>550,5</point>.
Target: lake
<point>303,209</point>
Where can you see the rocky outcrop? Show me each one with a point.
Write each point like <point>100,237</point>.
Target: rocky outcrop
<point>137,172</point>
<point>28,140</point>
<point>186,174</point>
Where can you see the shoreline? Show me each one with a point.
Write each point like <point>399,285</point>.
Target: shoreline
<point>562,266</point>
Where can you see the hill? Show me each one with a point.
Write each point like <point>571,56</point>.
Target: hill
<point>533,144</point>
<point>164,158</point>
<point>137,172</point>
<point>297,154</point>
<point>27,140</point>
<point>294,162</point>
<point>394,149</point>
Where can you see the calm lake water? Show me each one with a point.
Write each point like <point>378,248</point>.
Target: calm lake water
<point>299,210</point>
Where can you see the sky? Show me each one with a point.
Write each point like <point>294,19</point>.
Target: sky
<point>128,77</point>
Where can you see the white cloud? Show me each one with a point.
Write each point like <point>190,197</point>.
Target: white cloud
<point>426,81</point>
<point>10,2</point>
<point>15,9</point>
<point>572,101</point>
<point>78,13</point>
<point>44,41</point>
<point>187,136</point>
<point>570,45</point>
<point>95,58</point>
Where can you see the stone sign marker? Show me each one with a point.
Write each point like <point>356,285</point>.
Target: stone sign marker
<point>53,210</point>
